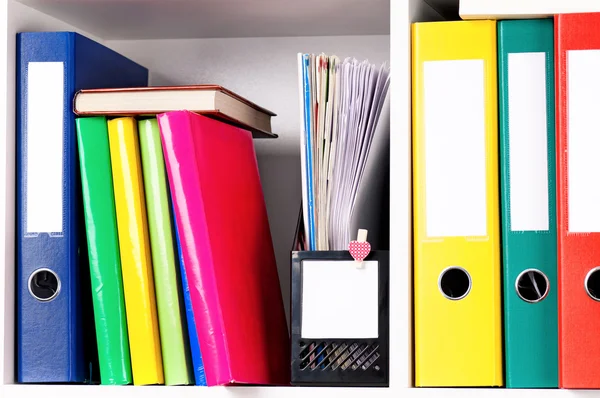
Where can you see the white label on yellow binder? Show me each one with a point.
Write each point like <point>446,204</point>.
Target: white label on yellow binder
<point>340,300</point>
<point>454,116</point>
<point>44,178</point>
<point>528,142</point>
<point>583,141</point>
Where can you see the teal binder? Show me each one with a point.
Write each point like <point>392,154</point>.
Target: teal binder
<point>528,201</point>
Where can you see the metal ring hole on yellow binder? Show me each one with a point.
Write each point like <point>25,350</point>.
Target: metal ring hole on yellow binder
<point>454,283</point>
<point>44,284</point>
<point>532,285</point>
<point>592,284</point>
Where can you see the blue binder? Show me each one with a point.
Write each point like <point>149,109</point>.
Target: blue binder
<point>51,67</point>
<point>194,343</point>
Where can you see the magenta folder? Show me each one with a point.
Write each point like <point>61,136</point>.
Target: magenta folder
<point>227,249</point>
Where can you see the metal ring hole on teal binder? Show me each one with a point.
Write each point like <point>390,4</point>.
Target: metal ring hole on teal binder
<point>44,284</point>
<point>592,284</point>
<point>454,283</point>
<point>532,285</point>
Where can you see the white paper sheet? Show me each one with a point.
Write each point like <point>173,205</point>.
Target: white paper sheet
<point>347,98</point>
<point>340,300</point>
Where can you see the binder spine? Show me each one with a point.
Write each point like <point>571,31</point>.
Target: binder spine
<point>526,51</point>
<point>49,341</point>
<point>457,293</point>
<point>577,52</point>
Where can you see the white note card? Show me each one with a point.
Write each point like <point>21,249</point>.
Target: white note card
<point>455,161</point>
<point>528,142</point>
<point>583,140</point>
<point>44,132</point>
<point>340,300</point>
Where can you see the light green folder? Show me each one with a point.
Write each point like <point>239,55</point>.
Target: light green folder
<point>176,361</point>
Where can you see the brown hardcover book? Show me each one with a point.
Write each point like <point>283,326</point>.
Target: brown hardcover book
<point>208,99</point>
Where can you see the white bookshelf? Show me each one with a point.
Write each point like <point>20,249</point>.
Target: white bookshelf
<point>248,46</point>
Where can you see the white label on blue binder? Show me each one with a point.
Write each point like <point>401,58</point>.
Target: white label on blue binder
<point>583,141</point>
<point>340,300</point>
<point>528,142</point>
<point>45,101</point>
<point>455,160</point>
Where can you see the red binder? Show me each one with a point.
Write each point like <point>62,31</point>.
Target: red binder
<point>578,174</point>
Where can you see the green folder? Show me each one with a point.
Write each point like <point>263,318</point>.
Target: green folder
<point>103,247</point>
<point>528,198</point>
<point>176,360</point>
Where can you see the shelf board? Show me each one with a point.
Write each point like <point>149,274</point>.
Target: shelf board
<point>66,391</point>
<point>176,19</point>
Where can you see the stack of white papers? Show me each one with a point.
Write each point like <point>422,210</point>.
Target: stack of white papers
<point>340,106</point>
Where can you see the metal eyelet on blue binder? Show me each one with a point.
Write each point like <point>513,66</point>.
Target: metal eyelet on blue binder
<point>44,284</point>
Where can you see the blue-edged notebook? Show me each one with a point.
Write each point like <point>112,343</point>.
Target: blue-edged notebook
<point>194,343</point>
<point>307,153</point>
<point>51,67</point>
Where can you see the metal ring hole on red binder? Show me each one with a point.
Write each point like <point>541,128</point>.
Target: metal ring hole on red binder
<point>532,285</point>
<point>592,284</point>
<point>454,283</point>
<point>44,284</point>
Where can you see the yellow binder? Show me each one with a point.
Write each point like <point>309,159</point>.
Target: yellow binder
<point>457,292</point>
<point>132,225</point>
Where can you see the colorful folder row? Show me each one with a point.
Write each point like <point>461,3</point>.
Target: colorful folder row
<point>131,253</point>
<point>506,204</point>
<point>131,172</point>
<point>143,244</point>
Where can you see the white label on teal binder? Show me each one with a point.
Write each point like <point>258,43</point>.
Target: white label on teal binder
<point>528,142</point>
<point>340,300</point>
<point>583,140</point>
<point>44,155</point>
<point>455,160</point>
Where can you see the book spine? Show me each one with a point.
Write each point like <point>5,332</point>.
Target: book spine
<point>47,219</point>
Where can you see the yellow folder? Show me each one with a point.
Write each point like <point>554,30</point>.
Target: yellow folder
<point>457,288</point>
<point>132,225</point>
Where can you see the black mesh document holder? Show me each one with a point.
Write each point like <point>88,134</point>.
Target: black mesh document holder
<point>330,361</point>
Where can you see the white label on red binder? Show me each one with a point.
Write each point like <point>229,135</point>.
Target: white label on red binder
<point>340,300</point>
<point>528,142</point>
<point>583,140</point>
<point>455,148</point>
<point>44,155</point>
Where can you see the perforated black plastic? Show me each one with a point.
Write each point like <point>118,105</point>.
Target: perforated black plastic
<point>340,362</point>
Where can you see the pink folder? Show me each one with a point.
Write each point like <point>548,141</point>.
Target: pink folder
<point>227,249</point>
